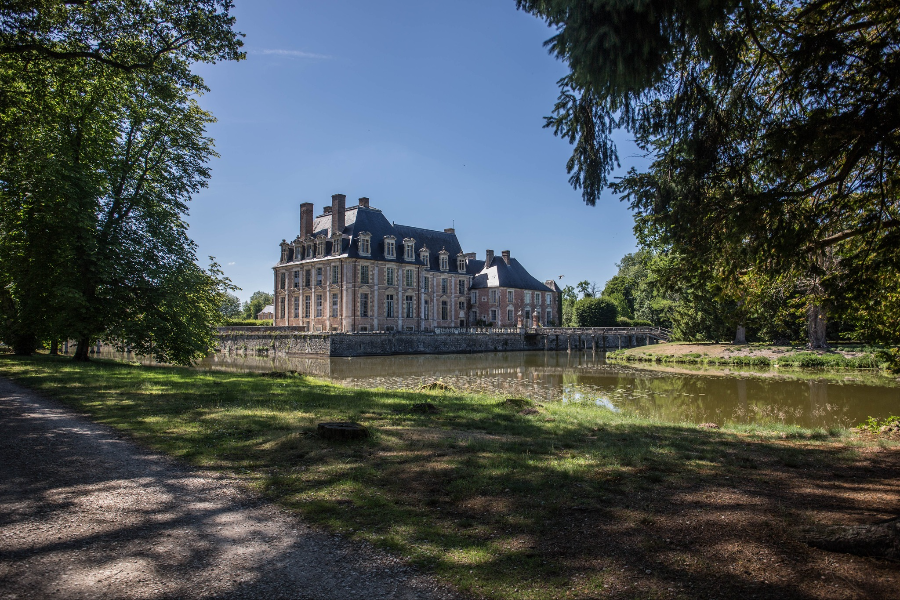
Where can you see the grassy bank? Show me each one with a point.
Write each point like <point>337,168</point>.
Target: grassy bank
<point>754,355</point>
<point>505,498</point>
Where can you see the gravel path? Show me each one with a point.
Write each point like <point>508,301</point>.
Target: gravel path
<point>87,514</point>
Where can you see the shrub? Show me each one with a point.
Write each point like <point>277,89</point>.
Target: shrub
<point>624,322</point>
<point>641,323</point>
<point>247,323</point>
<point>594,312</point>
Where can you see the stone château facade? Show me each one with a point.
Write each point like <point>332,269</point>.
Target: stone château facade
<point>351,270</point>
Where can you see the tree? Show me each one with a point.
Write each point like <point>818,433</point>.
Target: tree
<point>231,307</point>
<point>774,130</point>
<point>594,312</point>
<point>588,289</point>
<point>568,297</point>
<point>133,35</point>
<point>101,151</point>
<point>257,302</point>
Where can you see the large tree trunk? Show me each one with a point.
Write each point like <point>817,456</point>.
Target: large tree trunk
<point>24,344</point>
<point>815,324</point>
<point>81,351</point>
<point>54,347</point>
<point>740,336</point>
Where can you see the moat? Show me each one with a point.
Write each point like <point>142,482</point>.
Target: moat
<point>805,398</point>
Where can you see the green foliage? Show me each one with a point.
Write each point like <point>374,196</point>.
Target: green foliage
<point>257,302</point>
<point>567,302</point>
<point>103,145</point>
<point>775,141</point>
<point>873,425</point>
<point>247,323</point>
<point>594,312</point>
<point>231,307</point>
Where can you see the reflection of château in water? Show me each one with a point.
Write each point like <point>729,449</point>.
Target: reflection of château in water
<point>444,365</point>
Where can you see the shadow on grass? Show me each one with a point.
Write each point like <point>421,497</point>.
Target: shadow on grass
<point>567,499</point>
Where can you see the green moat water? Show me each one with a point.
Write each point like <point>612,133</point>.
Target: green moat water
<point>719,395</point>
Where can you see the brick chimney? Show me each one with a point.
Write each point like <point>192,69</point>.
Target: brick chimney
<point>488,259</point>
<point>327,210</point>
<point>505,254</point>
<point>338,207</point>
<point>364,202</point>
<point>306,219</point>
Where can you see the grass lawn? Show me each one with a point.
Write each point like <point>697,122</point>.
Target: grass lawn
<point>510,499</point>
<point>844,356</point>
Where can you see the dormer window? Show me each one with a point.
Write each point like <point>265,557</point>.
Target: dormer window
<point>461,263</point>
<point>365,243</point>
<point>336,244</point>
<point>390,247</point>
<point>409,252</point>
<point>424,256</point>
<point>445,260</point>
<point>309,250</point>
<point>320,245</point>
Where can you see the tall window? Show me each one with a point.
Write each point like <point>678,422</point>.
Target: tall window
<point>445,262</point>
<point>549,317</point>
<point>425,283</point>
<point>309,251</point>
<point>462,286</point>
<point>389,276</point>
<point>364,304</point>
<point>509,313</point>
<point>408,309</point>
<point>443,285</point>
<point>537,297</point>
<point>527,297</point>
<point>527,316</point>
<point>296,307</point>
<point>548,297</point>
<point>461,264</point>
<point>307,276</point>
<point>462,305</point>
<point>320,247</point>
<point>335,274</point>
<point>425,314</point>
<point>283,280</point>
<point>410,277</point>
<point>334,305</point>
<point>364,274</point>
<point>389,306</point>
<point>390,248</point>
<point>306,302</point>
<point>423,256</point>
<point>318,275</point>
<point>493,296</point>
<point>509,295</point>
<point>445,310</point>
<point>409,252</point>
<point>493,315</point>
<point>297,278</point>
<point>365,245</point>
<point>281,308</point>
<point>474,298</point>
<point>318,305</point>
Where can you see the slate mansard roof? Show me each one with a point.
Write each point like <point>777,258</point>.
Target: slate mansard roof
<point>359,219</point>
<point>501,275</point>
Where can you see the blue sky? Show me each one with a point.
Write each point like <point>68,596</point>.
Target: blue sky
<point>432,110</point>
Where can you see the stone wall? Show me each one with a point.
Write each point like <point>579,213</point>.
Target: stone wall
<point>279,341</point>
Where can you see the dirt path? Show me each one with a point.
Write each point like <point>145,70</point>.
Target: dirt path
<point>86,514</point>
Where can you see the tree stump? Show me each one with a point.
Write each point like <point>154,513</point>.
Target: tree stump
<point>342,430</point>
<point>879,539</point>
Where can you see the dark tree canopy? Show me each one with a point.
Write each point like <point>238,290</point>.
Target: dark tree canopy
<point>773,129</point>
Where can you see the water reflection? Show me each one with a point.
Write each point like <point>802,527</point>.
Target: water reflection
<point>731,396</point>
